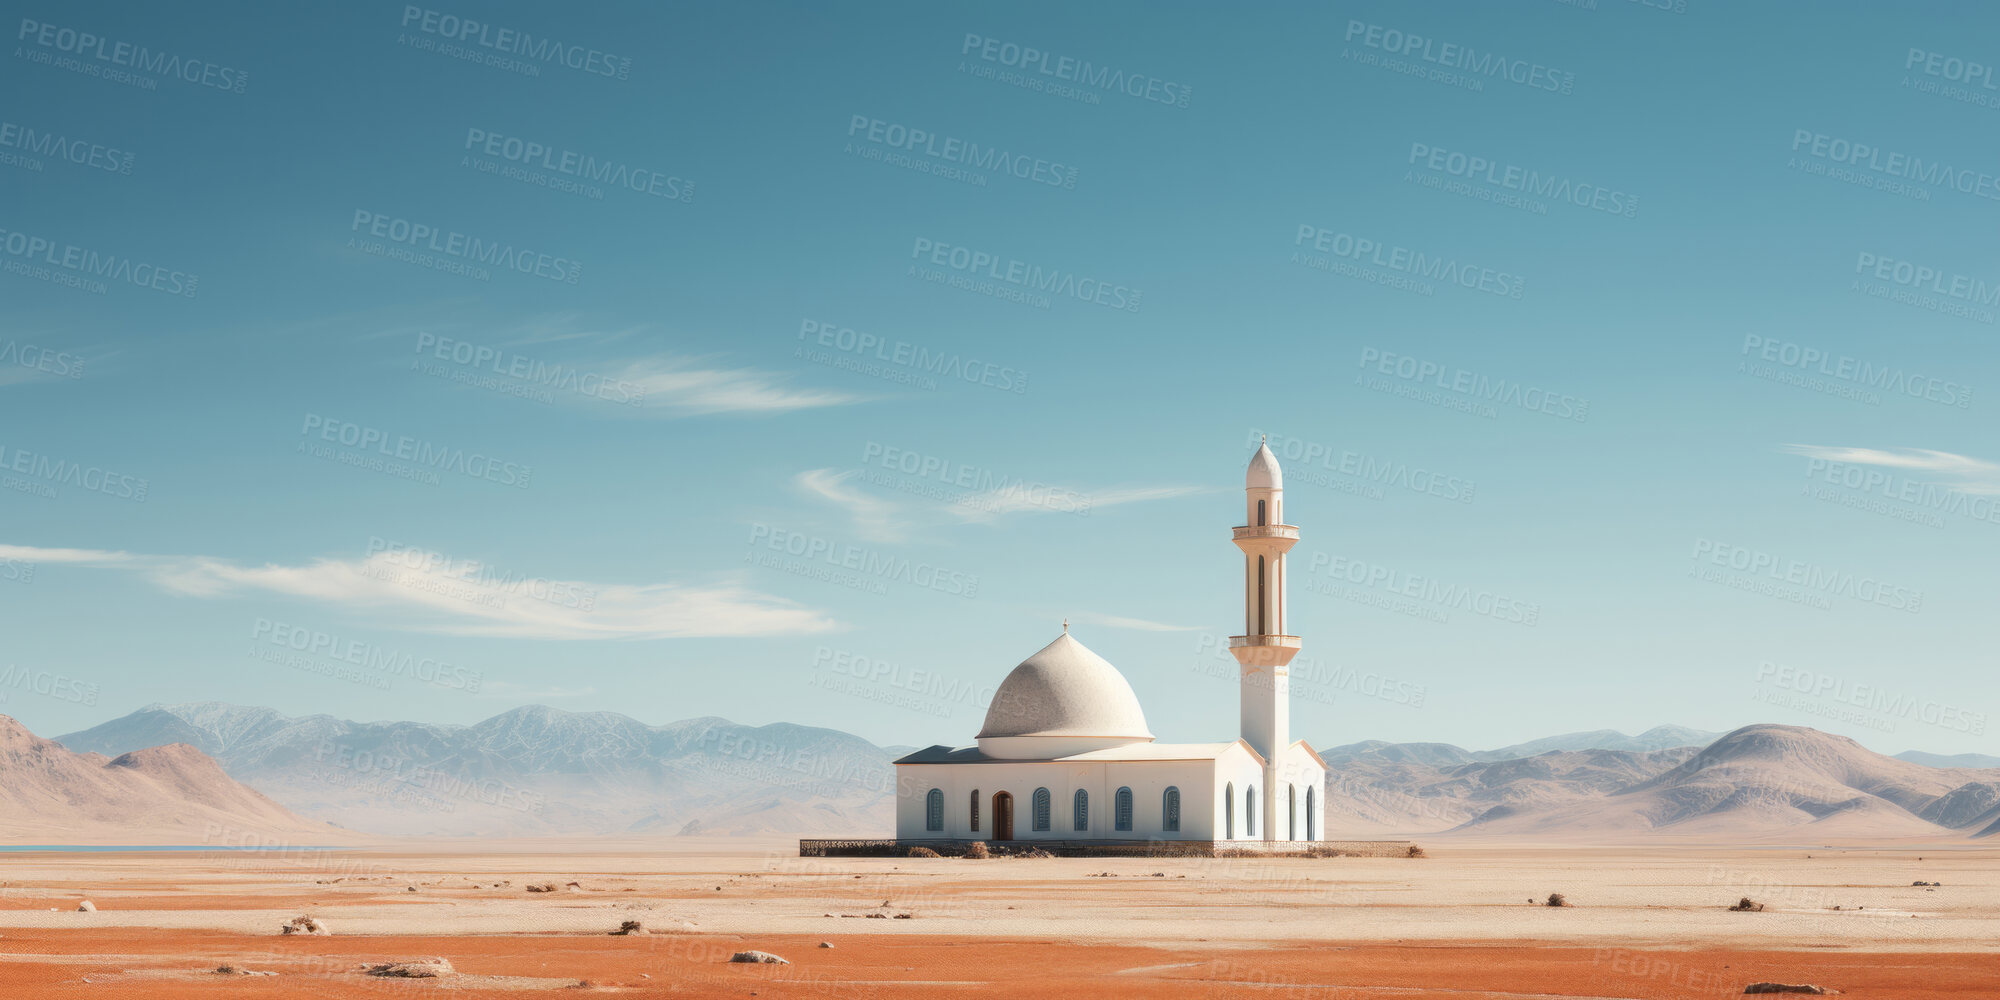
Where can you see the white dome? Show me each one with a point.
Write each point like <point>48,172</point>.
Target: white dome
<point>1264,473</point>
<point>1064,699</point>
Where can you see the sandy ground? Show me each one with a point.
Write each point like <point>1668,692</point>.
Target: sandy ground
<point>1643,924</point>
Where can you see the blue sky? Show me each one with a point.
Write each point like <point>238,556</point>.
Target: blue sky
<point>1629,365</point>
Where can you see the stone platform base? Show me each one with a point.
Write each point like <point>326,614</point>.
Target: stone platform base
<point>1117,848</point>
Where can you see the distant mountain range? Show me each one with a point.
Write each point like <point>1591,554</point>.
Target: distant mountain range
<point>532,771</point>
<point>1656,738</point>
<point>170,794</point>
<point>540,771</point>
<point>1759,782</point>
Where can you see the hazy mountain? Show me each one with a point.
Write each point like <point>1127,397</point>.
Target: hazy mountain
<point>533,771</point>
<point>1445,754</point>
<point>1768,781</point>
<point>541,771</point>
<point>1978,760</point>
<point>1382,792</point>
<point>172,794</point>
<point>1656,738</point>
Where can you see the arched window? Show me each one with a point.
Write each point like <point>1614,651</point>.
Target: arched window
<point>1260,513</point>
<point>1250,811</point>
<point>1082,810</point>
<point>934,811</point>
<point>1041,809</point>
<point>1291,812</point>
<point>1260,603</point>
<point>1312,829</point>
<point>1121,809</point>
<point>1229,811</point>
<point>974,812</point>
<point>1170,810</point>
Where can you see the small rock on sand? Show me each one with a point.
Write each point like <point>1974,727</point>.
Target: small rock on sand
<point>759,957</point>
<point>826,944</point>
<point>430,968</point>
<point>86,907</point>
<point>305,925</point>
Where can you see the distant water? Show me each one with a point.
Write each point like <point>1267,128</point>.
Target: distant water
<point>131,848</point>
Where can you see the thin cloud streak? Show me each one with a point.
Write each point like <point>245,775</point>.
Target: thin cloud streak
<point>458,598</point>
<point>876,519</point>
<point>1974,475</point>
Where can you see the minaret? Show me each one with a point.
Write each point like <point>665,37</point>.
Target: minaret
<point>1264,651</point>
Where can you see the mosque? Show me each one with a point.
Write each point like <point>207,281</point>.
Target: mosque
<point>1065,754</point>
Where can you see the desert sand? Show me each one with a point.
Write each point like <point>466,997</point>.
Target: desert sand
<point>1644,922</point>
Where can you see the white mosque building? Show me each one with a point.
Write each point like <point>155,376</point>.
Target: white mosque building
<point>1065,754</point>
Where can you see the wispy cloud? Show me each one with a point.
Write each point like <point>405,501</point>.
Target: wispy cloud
<point>660,382</point>
<point>682,386</point>
<point>1967,474</point>
<point>456,597</point>
<point>882,519</point>
<point>874,518</point>
<point>1120,621</point>
<point>1014,499</point>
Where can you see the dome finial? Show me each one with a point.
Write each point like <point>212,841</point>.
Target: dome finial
<point>1065,625</point>
<point>1263,472</point>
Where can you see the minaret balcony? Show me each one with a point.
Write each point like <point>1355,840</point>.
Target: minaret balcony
<point>1241,641</point>
<point>1286,531</point>
<point>1264,650</point>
